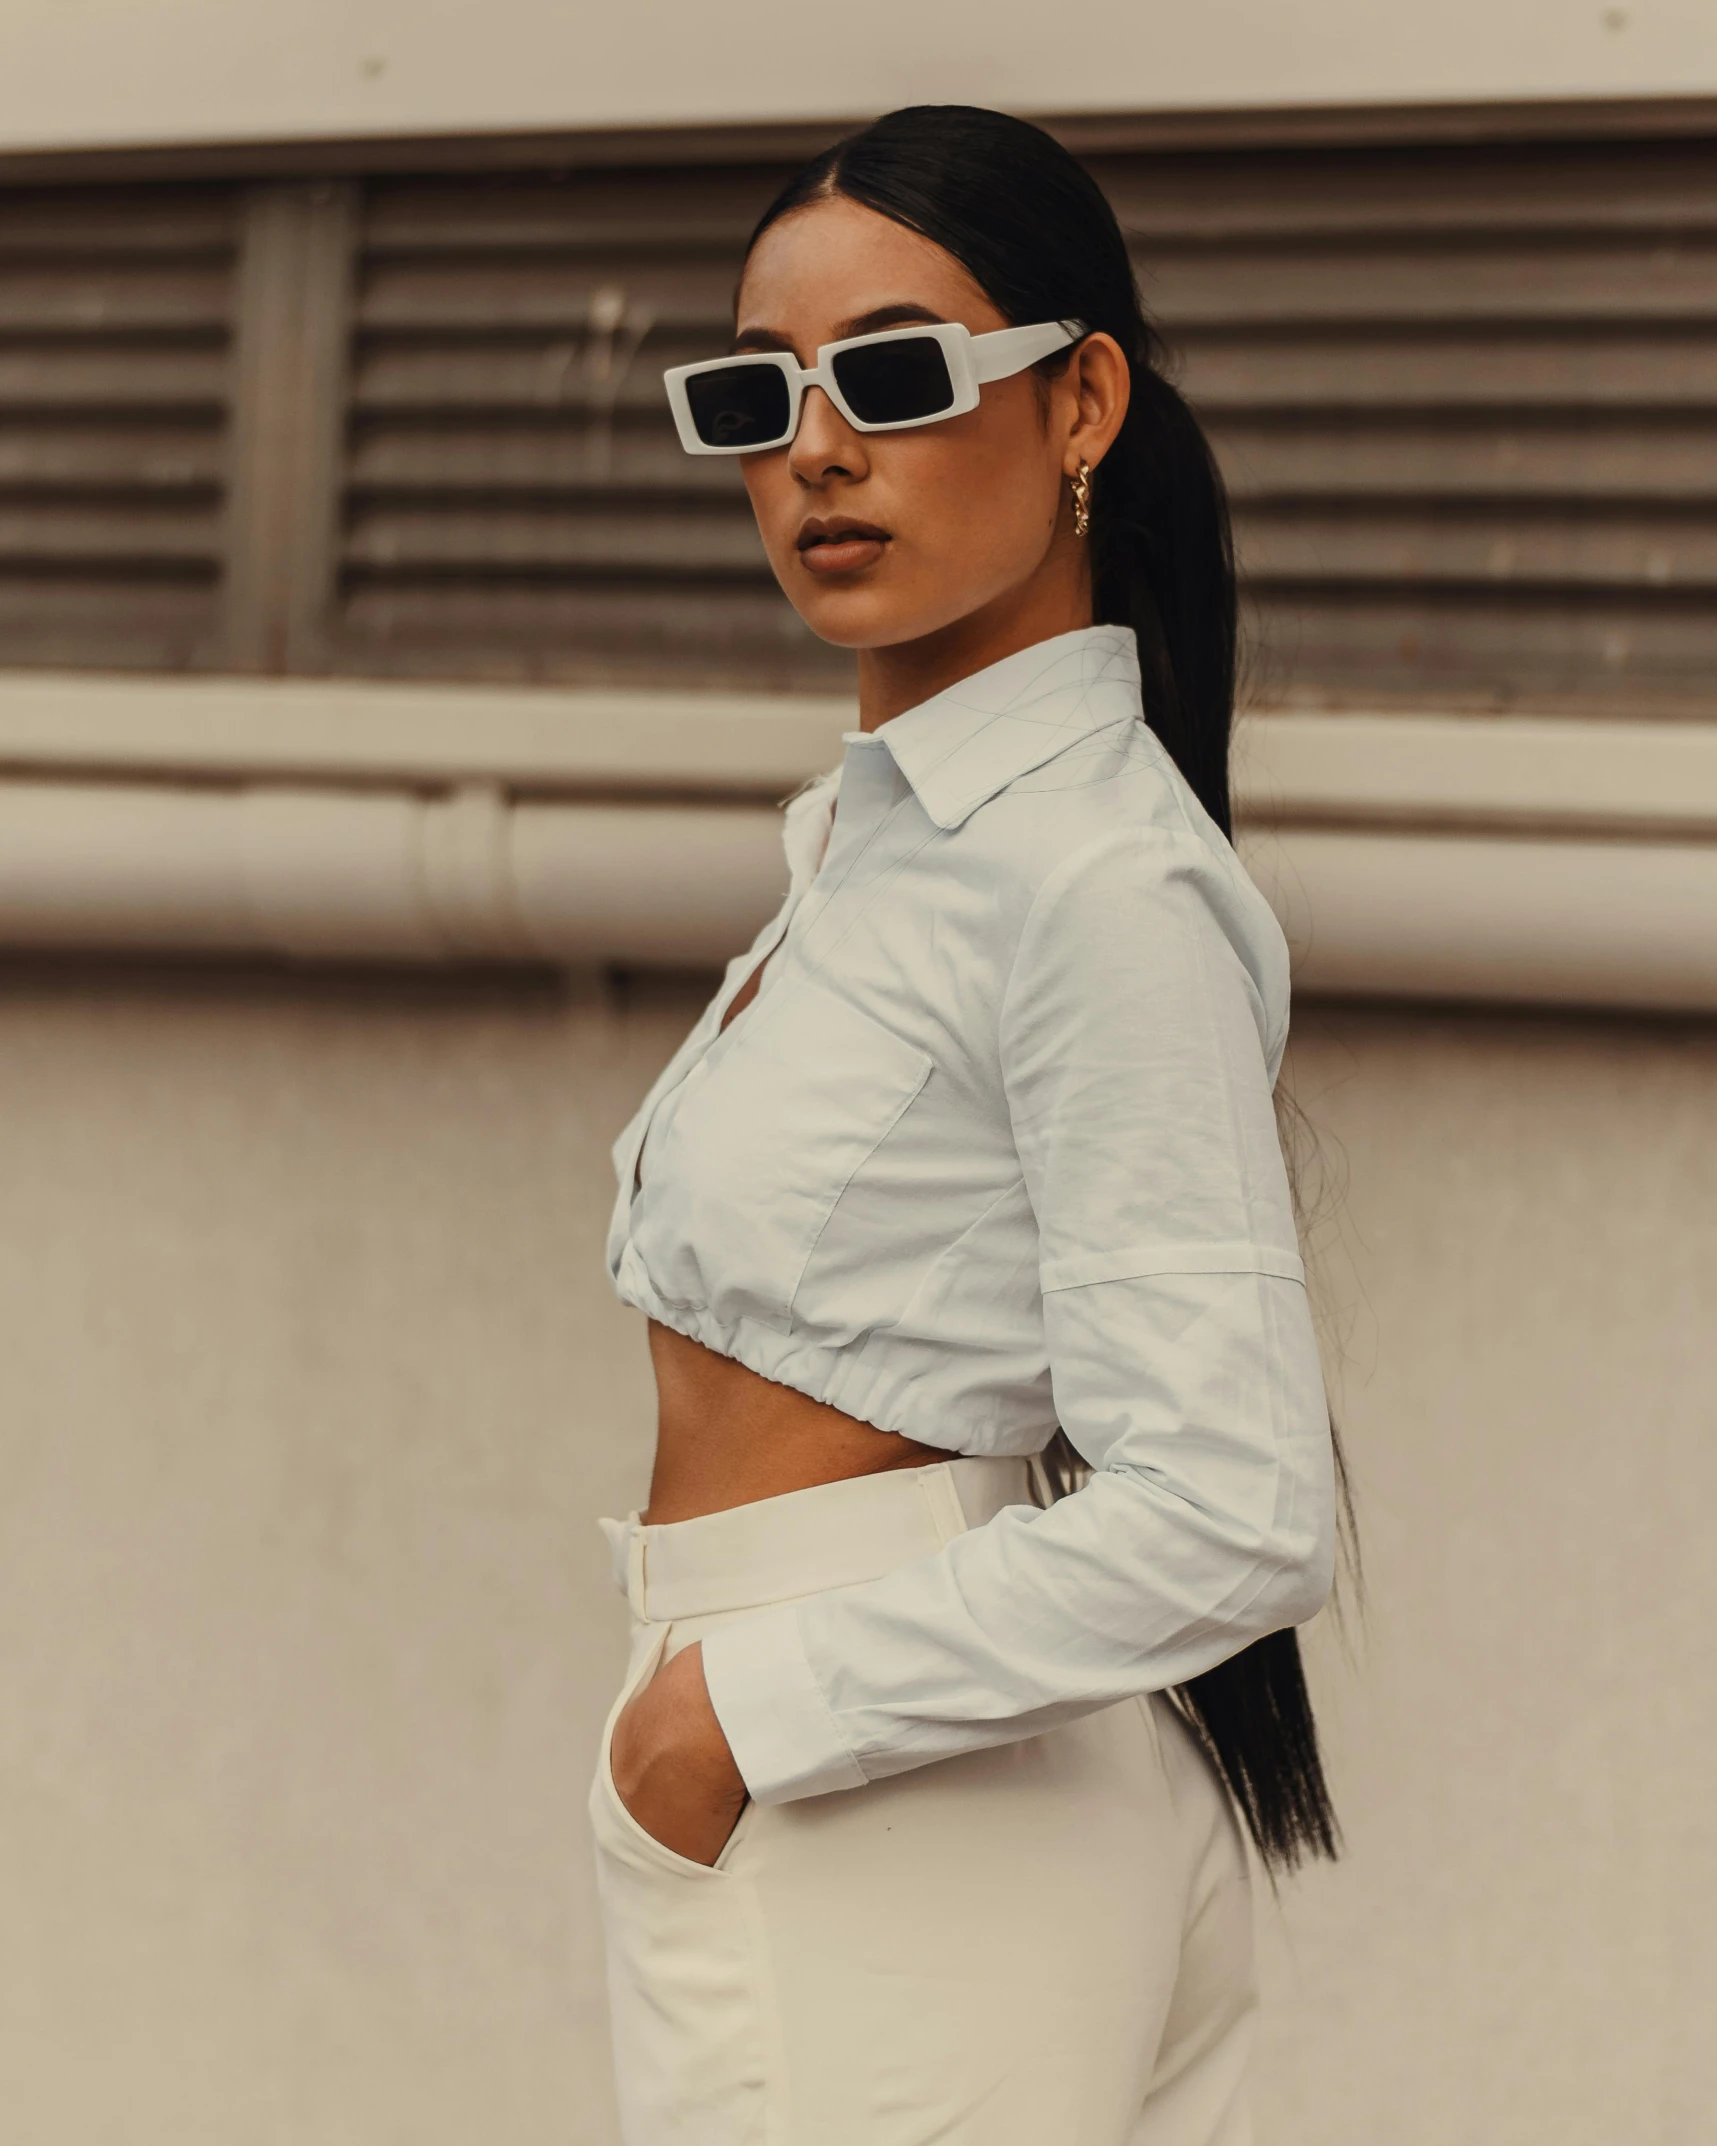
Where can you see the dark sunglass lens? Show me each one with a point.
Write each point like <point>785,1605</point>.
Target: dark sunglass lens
<point>740,406</point>
<point>890,383</point>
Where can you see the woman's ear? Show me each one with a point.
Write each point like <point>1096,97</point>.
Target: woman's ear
<point>1101,383</point>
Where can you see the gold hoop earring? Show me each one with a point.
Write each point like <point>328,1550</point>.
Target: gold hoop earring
<point>1081,499</point>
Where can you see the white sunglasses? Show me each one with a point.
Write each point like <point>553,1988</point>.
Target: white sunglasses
<point>879,383</point>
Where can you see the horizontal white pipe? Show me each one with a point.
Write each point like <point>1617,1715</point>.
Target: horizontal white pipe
<point>1644,778</point>
<point>1524,922</point>
<point>1629,778</point>
<point>392,732</point>
<point>474,876</point>
<point>319,875</point>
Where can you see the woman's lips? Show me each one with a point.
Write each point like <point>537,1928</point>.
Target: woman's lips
<point>842,548</point>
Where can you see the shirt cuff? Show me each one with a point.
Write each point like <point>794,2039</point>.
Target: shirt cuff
<point>772,1711</point>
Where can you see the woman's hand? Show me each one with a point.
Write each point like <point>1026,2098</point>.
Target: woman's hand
<point>671,1765</point>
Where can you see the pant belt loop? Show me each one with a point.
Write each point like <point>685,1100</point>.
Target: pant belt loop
<point>942,1494</point>
<point>636,1590</point>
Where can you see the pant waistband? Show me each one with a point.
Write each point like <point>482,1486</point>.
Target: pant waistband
<point>807,1541</point>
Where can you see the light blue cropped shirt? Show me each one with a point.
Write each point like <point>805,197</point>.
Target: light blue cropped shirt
<point>994,1150</point>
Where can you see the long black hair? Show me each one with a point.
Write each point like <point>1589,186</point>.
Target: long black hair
<point>1032,228</point>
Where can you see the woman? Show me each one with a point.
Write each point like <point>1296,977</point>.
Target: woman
<point>901,1836</point>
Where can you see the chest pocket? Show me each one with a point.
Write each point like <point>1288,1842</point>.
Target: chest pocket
<point>746,1160</point>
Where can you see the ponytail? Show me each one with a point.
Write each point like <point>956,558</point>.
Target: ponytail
<point>1163,563</point>
<point>1033,229</point>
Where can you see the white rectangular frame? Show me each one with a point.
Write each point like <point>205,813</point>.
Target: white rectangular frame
<point>972,360</point>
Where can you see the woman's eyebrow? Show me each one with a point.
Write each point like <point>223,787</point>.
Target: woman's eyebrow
<point>895,316</point>
<point>760,339</point>
<point>901,315</point>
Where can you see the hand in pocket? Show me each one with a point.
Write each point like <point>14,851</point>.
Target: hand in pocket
<point>671,1765</point>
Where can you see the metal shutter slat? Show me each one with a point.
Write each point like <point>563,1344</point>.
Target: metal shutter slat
<point>104,540</point>
<point>719,540</point>
<point>713,208</point>
<point>1460,648</point>
<point>548,371</point>
<point>103,454</point>
<point>559,293</point>
<point>115,296</point>
<point>551,456</point>
<point>1455,459</point>
<point>1599,369</point>
<point>636,632</point>
<point>69,374</point>
<point>1554,551</point>
<point>1543,189</point>
<point>1560,281</point>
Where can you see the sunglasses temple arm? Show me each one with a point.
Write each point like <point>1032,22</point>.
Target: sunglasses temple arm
<point>1007,351</point>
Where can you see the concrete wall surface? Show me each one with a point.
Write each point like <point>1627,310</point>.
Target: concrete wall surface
<point>313,1387</point>
<point>82,73</point>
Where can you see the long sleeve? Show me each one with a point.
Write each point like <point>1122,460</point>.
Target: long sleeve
<point>1136,1052</point>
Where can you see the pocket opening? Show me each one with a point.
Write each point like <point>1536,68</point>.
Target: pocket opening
<point>657,1851</point>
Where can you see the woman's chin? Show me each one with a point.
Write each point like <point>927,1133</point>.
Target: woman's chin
<point>857,616</point>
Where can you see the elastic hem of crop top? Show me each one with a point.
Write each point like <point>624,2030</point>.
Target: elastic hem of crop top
<point>839,1377</point>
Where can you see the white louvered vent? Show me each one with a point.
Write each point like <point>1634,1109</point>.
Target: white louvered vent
<point>1465,396</point>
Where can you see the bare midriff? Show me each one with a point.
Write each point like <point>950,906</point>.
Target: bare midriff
<point>726,1437</point>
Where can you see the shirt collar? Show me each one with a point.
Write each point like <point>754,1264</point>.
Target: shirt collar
<point>962,746</point>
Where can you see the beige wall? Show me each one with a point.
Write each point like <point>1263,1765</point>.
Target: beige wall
<point>312,1386</point>
<point>1522,1947</point>
<point>91,72</point>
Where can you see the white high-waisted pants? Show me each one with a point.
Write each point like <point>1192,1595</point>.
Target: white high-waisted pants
<point>1045,1944</point>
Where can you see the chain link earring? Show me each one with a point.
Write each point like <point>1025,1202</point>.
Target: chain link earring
<point>1081,499</point>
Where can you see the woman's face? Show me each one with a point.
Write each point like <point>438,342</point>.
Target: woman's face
<point>881,538</point>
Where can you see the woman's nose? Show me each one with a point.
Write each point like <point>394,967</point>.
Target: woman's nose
<point>825,445</point>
